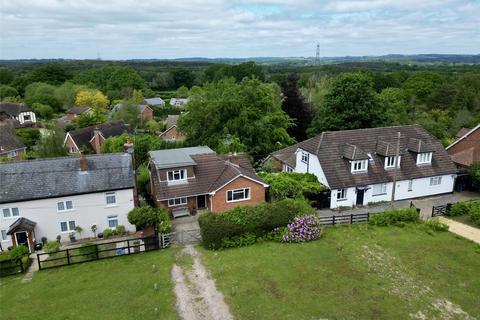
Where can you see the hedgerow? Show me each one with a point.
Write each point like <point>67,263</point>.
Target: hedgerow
<point>394,217</point>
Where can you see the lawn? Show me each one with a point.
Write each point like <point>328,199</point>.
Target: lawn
<point>118,288</point>
<point>353,272</point>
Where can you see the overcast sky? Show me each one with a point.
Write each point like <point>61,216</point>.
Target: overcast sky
<point>124,29</point>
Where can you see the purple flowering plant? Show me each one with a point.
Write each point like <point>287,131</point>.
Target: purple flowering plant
<point>302,229</point>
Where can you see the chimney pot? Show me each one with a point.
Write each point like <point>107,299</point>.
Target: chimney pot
<point>83,163</point>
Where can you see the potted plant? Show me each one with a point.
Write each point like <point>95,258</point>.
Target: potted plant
<point>59,238</point>
<point>79,230</point>
<point>72,237</point>
<point>94,230</point>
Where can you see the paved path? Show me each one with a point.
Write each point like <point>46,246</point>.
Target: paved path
<point>31,269</point>
<point>462,229</point>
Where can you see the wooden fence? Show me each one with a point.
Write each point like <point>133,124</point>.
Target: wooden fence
<point>11,266</point>
<point>97,252</point>
<point>344,219</point>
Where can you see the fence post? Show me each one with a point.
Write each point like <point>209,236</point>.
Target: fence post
<point>128,246</point>
<point>351,218</point>
<point>433,210</point>
<point>368,216</point>
<point>333,220</point>
<point>96,252</point>
<point>39,264</point>
<point>68,257</point>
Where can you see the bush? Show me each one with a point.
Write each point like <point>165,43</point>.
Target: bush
<point>436,225</point>
<point>51,246</point>
<point>394,216</point>
<point>120,230</point>
<point>459,209</point>
<point>475,213</point>
<point>218,229</point>
<point>144,217</point>
<point>164,226</point>
<point>19,252</point>
<point>243,240</point>
<point>88,250</point>
<point>107,233</point>
<point>303,229</point>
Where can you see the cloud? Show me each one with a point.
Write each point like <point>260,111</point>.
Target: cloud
<point>124,29</point>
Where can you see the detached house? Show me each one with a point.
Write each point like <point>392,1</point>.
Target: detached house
<point>20,112</point>
<point>146,113</point>
<point>359,165</point>
<point>171,133</point>
<point>50,197</point>
<point>75,112</point>
<point>188,179</point>
<point>92,138</point>
<point>178,102</point>
<point>10,145</point>
<point>154,102</point>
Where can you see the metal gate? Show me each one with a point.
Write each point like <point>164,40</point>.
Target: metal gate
<point>180,237</point>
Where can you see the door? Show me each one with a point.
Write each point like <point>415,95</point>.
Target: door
<point>201,204</point>
<point>22,238</point>
<point>360,196</point>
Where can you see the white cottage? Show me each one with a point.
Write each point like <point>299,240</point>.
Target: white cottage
<point>359,166</point>
<point>51,197</point>
<point>20,112</point>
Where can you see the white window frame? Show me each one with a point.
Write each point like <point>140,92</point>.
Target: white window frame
<point>112,218</point>
<point>68,226</point>
<point>360,165</point>
<point>410,185</point>
<point>181,201</point>
<point>72,150</point>
<point>108,195</point>
<point>10,213</point>
<point>4,235</point>
<point>305,157</point>
<point>180,172</point>
<point>382,189</point>
<point>341,194</point>
<point>390,162</point>
<point>435,181</point>
<point>288,169</point>
<point>424,158</point>
<point>238,191</point>
<point>65,208</point>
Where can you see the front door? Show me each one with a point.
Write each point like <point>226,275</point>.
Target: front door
<point>360,196</point>
<point>22,238</point>
<point>201,202</point>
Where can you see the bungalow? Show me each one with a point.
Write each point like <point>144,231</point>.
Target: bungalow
<point>10,145</point>
<point>51,197</point>
<point>171,133</point>
<point>359,166</point>
<point>19,112</point>
<point>178,102</point>
<point>189,179</point>
<point>92,138</point>
<point>75,112</point>
<point>154,102</point>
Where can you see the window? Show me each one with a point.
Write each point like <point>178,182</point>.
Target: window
<point>359,165</point>
<point>64,205</point>
<point>288,169</point>
<point>435,181</point>
<point>67,227</point>
<point>72,150</point>
<point>304,157</point>
<point>4,235</point>
<point>410,185</point>
<point>176,202</point>
<point>424,158</point>
<point>390,162</point>
<point>110,198</point>
<point>10,212</point>
<point>12,154</point>
<point>112,221</point>
<point>341,194</point>
<point>26,117</point>
<point>238,195</point>
<point>177,175</point>
<point>379,189</point>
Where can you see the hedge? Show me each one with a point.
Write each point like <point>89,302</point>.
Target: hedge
<point>394,216</point>
<point>260,220</point>
<point>470,208</point>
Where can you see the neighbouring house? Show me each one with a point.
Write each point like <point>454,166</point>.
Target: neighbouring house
<point>10,144</point>
<point>359,165</point>
<point>185,180</point>
<point>75,112</point>
<point>154,102</point>
<point>464,151</point>
<point>146,113</point>
<point>178,102</point>
<point>171,130</point>
<point>20,112</point>
<point>51,197</point>
<point>90,139</point>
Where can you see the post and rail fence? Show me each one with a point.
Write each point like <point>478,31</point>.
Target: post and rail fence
<point>11,266</point>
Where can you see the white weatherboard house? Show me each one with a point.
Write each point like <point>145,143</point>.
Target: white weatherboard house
<point>50,197</point>
<point>359,165</point>
<point>20,112</point>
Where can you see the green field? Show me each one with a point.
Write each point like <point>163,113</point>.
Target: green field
<point>353,272</point>
<point>118,288</point>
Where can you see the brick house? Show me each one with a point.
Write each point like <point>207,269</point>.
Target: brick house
<point>185,180</point>
<point>146,113</point>
<point>91,138</point>
<point>10,145</point>
<point>75,112</point>
<point>171,133</point>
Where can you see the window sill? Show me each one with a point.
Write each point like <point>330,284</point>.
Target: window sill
<point>111,206</point>
<point>379,194</point>
<point>69,210</point>
<point>340,200</point>
<point>11,218</point>
<point>230,201</point>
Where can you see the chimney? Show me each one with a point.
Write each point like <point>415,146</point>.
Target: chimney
<point>128,146</point>
<point>96,140</point>
<point>83,163</point>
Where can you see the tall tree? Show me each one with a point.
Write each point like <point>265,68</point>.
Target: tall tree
<point>295,106</point>
<point>351,104</point>
<point>51,73</point>
<point>51,144</point>
<point>6,76</point>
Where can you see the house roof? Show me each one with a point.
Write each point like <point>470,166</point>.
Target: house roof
<point>9,140</point>
<point>142,107</point>
<point>171,120</point>
<point>177,157</point>
<point>78,110</point>
<point>82,136</point>
<point>23,223</point>
<point>462,132</point>
<point>329,148</point>
<point>155,101</point>
<point>13,109</point>
<point>179,102</point>
<point>57,177</point>
<point>211,173</point>
<point>470,148</point>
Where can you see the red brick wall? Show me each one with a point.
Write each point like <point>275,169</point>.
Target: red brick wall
<point>219,200</point>
<point>70,116</point>
<point>69,143</point>
<point>471,141</point>
<point>172,134</point>
<point>97,143</point>
<point>147,114</point>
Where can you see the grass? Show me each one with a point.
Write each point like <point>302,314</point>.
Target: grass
<point>464,219</point>
<point>352,272</point>
<point>118,288</point>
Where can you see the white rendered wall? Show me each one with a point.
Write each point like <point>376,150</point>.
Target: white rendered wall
<point>313,166</point>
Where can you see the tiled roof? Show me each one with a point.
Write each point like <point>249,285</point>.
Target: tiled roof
<point>9,140</point>
<point>13,109</point>
<point>171,121</point>
<point>154,101</point>
<point>329,148</point>
<point>56,177</point>
<point>352,152</point>
<point>83,136</point>
<point>77,110</point>
<point>24,223</point>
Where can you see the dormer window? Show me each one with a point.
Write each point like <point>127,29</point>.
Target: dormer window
<point>359,165</point>
<point>424,158</point>
<point>177,175</point>
<point>304,157</point>
<point>390,162</point>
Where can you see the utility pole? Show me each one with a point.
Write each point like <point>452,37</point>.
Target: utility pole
<point>395,168</point>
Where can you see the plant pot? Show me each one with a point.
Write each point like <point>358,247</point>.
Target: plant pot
<point>73,239</point>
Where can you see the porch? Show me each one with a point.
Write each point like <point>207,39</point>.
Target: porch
<point>23,233</point>
<point>187,206</point>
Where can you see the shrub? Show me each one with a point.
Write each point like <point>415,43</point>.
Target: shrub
<point>302,229</point>
<point>144,217</point>
<point>436,225</point>
<point>475,213</point>
<point>120,230</point>
<point>107,233</point>
<point>394,216</point>
<point>459,209</point>
<point>243,240</point>
<point>291,185</point>
<point>51,246</point>
<point>218,228</point>
<point>164,226</point>
<point>19,252</point>
<point>88,250</point>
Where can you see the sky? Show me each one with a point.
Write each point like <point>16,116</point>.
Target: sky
<point>148,29</point>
